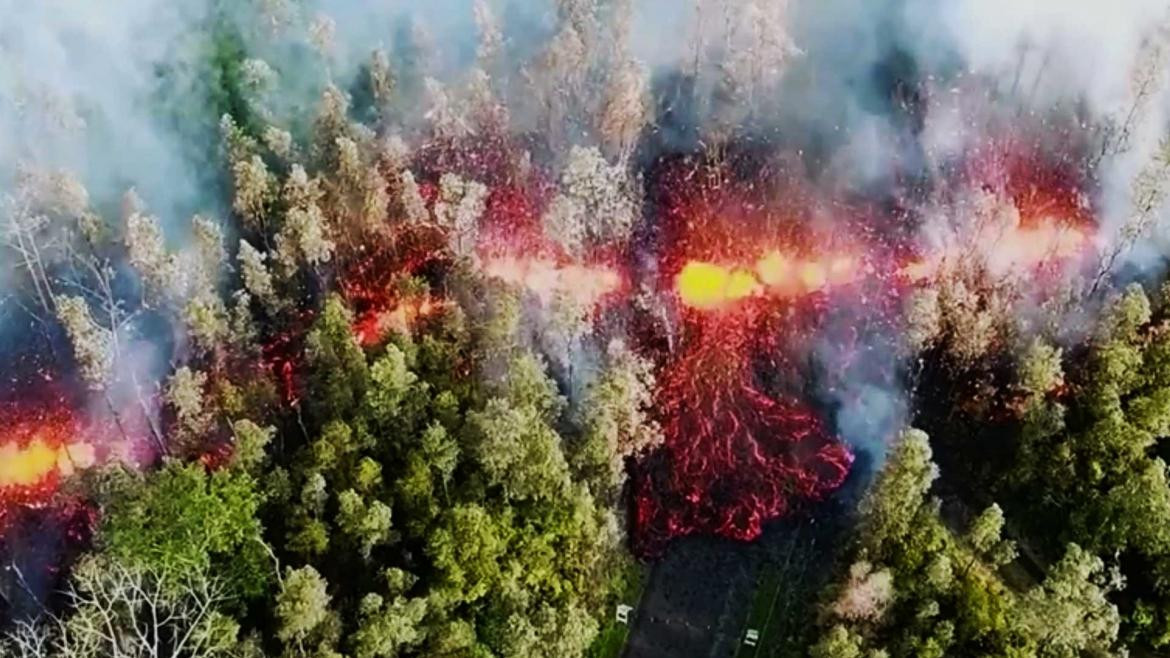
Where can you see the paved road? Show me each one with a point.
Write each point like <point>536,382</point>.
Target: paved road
<point>698,596</point>
<point>701,592</point>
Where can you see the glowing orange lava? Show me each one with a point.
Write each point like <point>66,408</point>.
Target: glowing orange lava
<point>371,327</point>
<point>707,286</point>
<point>1005,250</point>
<point>38,449</point>
<point>584,285</point>
<point>1027,246</point>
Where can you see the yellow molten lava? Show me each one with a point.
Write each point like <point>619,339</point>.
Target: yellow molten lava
<point>29,465</point>
<point>707,286</point>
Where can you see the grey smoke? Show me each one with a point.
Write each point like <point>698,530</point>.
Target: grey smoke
<point>870,417</point>
<point>79,90</point>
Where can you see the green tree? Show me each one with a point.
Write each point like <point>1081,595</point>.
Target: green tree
<point>1070,612</point>
<point>338,374</point>
<point>301,605</point>
<point>367,524</point>
<point>466,549</point>
<point>985,535</point>
<point>441,453</point>
<point>518,451</point>
<point>251,440</point>
<point>395,398</point>
<point>616,421</point>
<point>182,520</point>
<point>889,509</point>
<point>1040,368</point>
<point>839,642</point>
<point>386,629</point>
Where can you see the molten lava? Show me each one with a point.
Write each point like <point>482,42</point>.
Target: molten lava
<point>37,450</point>
<point>1012,248</point>
<point>735,456</point>
<point>708,286</point>
<point>39,447</point>
<point>31,464</point>
<point>373,326</point>
<point>741,445</point>
<point>25,466</point>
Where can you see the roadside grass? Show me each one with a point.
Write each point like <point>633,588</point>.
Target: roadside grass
<point>763,605</point>
<point>784,607</point>
<point>610,641</point>
<point>627,588</point>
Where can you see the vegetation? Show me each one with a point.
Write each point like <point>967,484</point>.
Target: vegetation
<point>425,490</point>
<point>365,445</point>
<point>1077,465</point>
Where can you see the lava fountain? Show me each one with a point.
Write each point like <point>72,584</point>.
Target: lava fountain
<point>737,451</point>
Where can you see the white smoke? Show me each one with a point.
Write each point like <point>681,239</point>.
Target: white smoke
<point>1059,51</point>
<point>79,89</point>
<point>1106,60</point>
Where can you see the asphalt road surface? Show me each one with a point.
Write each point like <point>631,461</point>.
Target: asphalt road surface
<point>697,598</point>
<point>700,594</point>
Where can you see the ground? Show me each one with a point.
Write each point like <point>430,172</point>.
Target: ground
<point>705,593</point>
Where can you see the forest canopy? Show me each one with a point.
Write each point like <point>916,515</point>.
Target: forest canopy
<point>431,343</point>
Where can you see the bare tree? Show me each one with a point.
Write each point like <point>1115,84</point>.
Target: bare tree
<point>414,207</point>
<point>604,191</point>
<point>322,32</point>
<point>148,255</point>
<point>1145,83</point>
<point>485,112</point>
<point>304,237</point>
<point>491,39</point>
<point>446,122</point>
<point>1150,189</point>
<point>35,226</point>
<point>626,109</point>
<point>122,611</point>
<point>93,344</point>
<point>458,210</point>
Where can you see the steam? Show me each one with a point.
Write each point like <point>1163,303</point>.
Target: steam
<point>100,89</point>
<point>1052,52</point>
<point>79,90</point>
